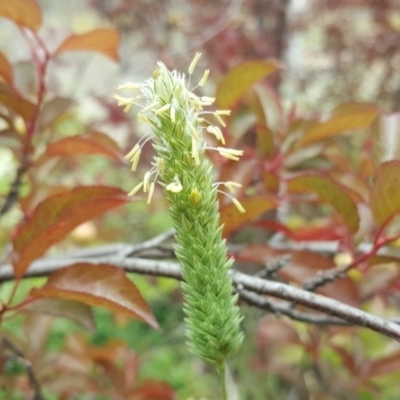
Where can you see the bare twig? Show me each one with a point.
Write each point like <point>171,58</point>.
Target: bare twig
<point>318,302</point>
<point>13,193</point>
<point>273,266</point>
<point>8,344</point>
<point>254,285</point>
<point>279,308</point>
<point>324,277</point>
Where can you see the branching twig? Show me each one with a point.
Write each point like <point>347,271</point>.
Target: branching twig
<point>13,193</point>
<point>273,266</point>
<point>351,315</point>
<point>286,308</point>
<point>28,366</point>
<point>324,277</point>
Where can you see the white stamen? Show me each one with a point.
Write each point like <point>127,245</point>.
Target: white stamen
<point>195,151</point>
<point>174,187</point>
<point>132,152</point>
<point>146,180</point>
<point>135,160</point>
<point>195,134</point>
<point>231,185</point>
<point>219,119</point>
<point>172,114</point>
<point>135,189</point>
<point>129,85</point>
<point>162,109</point>
<point>192,65</point>
<point>150,107</point>
<point>204,78</point>
<point>216,132</point>
<point>151,191</point>
<point>223,112</point>
<point>236,202</point>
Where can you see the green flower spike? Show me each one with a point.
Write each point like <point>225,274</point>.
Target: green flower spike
<point>175,116</point>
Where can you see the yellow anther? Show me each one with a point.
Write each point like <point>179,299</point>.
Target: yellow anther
<point>192,65</point>
<point>135,189</point>
<point>204,78</point>
<point>146,181</point>
<point>236,202</point>
<point>151,191</point>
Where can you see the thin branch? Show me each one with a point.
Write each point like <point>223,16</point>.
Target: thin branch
<point>13,193</point>
<point>28,366</point>
<point>318,302</point>
<point>330,275</point>
<point>272,267</point>
<point>241,281</point>
<point>279,308</point>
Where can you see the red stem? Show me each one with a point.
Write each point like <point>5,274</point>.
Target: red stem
<point>31,126</point>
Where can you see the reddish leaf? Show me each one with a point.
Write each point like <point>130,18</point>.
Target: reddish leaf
<point>6,71</point>
<point>15,103</point>
<point>265,140</point>
<point>111,358</point>
<point>154,390</point>
<point>303,265</point>
<point>254,206</point>
<point>100,285</point>
<point>347,118</point>
<point>265,144</point>
<point>380,280</point>
<point>88,143</point>
<point>104,41</point>
<point>313,233</point>
<point>73,310</point>
<point>381,366</point>
<point>242,173</point>
<point>25,13</point>
<point>240,79</point>
<point>274,331</point>
<point>333,193</point>
<point>385,192</point>
<point>56,216</point>
<point>346,357</point>
<point>271,181</point>
<point>382,259</point>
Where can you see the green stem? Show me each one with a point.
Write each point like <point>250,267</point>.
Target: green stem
<point>222,376</point>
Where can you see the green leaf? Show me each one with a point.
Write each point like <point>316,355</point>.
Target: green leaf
<point>102,285</point>
<point>385,192</point>
<point>240,79</point>
<point>333,193</point>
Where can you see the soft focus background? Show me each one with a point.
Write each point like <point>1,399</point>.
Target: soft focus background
<point>332,58</point>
